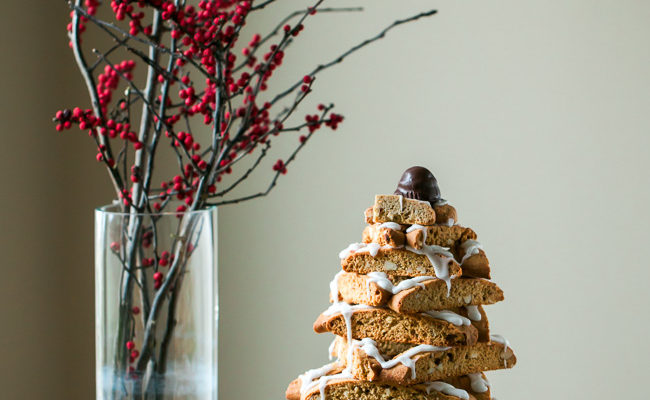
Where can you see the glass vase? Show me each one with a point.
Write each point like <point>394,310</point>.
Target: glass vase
<point>156,304</point>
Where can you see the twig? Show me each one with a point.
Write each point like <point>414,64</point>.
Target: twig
<point>359,46</point>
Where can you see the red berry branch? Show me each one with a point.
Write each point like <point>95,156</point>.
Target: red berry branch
<point>203,45</point>
<point>203,96</point>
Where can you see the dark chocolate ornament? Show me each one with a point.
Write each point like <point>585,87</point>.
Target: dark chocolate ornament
<point>418,183</point>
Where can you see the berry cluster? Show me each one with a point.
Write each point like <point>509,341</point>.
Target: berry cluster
<point>212,84</point>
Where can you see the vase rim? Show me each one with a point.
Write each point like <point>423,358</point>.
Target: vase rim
<point>113,209</point>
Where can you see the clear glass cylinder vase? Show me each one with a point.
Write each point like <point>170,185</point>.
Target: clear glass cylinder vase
<point>156,304</point>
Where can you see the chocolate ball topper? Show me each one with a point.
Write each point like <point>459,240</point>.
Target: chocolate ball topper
<point>419,183</point>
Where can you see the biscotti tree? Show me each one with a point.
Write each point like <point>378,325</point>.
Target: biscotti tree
<point>202,98</point>
<point>407,307</point>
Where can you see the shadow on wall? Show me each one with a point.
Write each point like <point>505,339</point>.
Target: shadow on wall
<point>50,186</point>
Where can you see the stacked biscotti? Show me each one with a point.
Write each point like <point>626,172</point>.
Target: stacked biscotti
<point>407,311</point>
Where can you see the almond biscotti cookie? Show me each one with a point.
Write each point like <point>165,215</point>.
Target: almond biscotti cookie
<point>336,384</point>
<point>411,295</point>
<point>436,328</point>
<point>433,295</point>
<point>420,363</point>
<point>434,261</point>
<point>438,235</point>
<point>459,241</point>
<point>395,235</point>
<point>394,208</point>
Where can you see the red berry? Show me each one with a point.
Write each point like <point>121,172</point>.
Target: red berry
<point>130,345</point>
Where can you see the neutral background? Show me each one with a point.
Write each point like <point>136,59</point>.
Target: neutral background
<point>533,116</point>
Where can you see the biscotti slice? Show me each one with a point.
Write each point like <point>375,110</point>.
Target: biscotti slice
<point>460,241</point>
<point>445,213</point>
<point>394,208</point>
<point>437,329</point>
<point>338,385</point>
<point>435,261</point>
<point>354,288</point>
<point>438,235</point>
<point>395,235</point>
<point>386,234</point>
<point>472,258</point>
<point>364,289</point>
<point>411,295</point>
<point>418,364</point>
<point>467,251</point>
<point>433,295</point>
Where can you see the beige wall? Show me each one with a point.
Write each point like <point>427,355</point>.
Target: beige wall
<point>50,184</point>
<point>533,116</point>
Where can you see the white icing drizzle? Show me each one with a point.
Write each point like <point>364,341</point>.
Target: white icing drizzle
<point>401,208</point>
<point>471,247</point>
<point>478,383</point>
<point>372,248</point>
<point>345,309</point>
<point>500,339</point>
<point>450,222</point>
<point>323,380</point>
<point>352,248</point>
<point>330,350</point>
<point>381,280</point>
<point>432,252</point>
<point>391,225</point>
<point>449,316</point>
<point>447,389</point>
<point>440,202</point>
<point>369,346</point>
<point>473,313</point>
<point>334,286</point>
<point>307,379</point>
<point>319,376</point>
<point>420,227</point>
<point>440,266</point>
